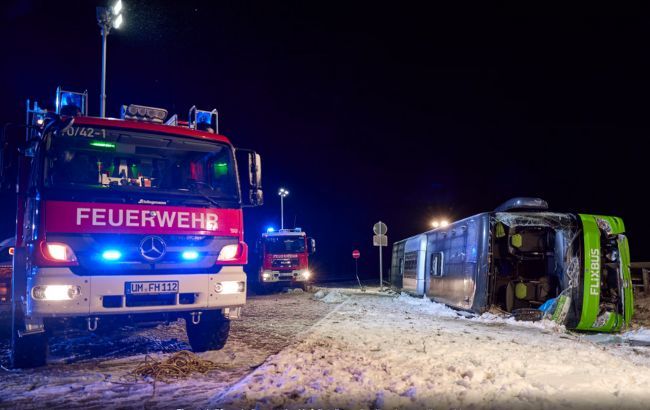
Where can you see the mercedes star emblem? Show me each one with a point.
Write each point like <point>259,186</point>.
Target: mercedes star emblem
<point>152,248</point>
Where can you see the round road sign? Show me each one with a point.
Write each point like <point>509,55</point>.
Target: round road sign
<point>380,228</point>
<point>356,254</point>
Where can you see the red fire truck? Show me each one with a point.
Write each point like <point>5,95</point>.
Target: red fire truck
<point>136,218</point>
<point>285,257</point>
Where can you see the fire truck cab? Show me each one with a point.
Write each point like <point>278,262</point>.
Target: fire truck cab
<point>285,257</point>
<point>137,218</point>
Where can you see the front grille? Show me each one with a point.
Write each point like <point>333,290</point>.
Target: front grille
<point>112,301</point>
<point>115,301</point>
<point>150,300</point>
<point>186,298</point>
<point>285,263</point>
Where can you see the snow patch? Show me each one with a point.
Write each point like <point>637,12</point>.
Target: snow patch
<point>334,297</point>
<point>640,336</point>
<point>320,294</point>
<point>426,305</point>
<point>547,324</point>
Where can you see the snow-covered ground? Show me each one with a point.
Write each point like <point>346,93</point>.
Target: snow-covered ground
<point>91,371</point>
<point>350,349</point>
<point>401,352</point>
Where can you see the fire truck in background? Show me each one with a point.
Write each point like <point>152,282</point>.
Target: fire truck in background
<point>137,218</point>
<point>285,258</point>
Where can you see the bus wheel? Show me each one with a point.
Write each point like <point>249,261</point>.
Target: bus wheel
<point>29,351</point>
<point>210,334</point>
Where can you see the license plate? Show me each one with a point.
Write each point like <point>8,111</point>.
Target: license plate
<point>151,288</point>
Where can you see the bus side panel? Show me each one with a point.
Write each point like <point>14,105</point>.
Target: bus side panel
<point>463,268</point>
<point>482,278</point>
<point>413,265</point>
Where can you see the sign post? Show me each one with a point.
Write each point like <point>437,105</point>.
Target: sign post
<point>356,254</point>
<point>380,239</point>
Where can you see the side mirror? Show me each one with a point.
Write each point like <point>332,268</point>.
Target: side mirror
<point>57,125</point>
<point>311,245</point>
<point>249,164</point>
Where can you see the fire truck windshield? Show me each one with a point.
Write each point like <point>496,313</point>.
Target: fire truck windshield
<point>285,244</point>
<point>86,157</point>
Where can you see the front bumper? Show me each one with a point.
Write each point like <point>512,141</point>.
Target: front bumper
<point>195,292</point>
<point>298,275</point>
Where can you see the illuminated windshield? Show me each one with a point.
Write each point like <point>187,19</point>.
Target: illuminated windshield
<point>129,160</point>
<point>285,244</point>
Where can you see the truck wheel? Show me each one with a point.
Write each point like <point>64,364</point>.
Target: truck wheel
<point>29,351</point>
<point>210,334</point>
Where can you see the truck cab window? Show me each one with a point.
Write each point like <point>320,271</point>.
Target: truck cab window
<point>134,161</point>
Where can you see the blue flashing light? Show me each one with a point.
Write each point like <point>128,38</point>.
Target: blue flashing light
<point>270,229</point>
<point>190,255</point>
<point>111,255</point>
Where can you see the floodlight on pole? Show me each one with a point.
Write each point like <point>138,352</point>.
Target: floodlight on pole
<point>117,8</point>
<point>439,223</point>
<point>107,18</point>
<point>118,21</point>
<point>283,193</point>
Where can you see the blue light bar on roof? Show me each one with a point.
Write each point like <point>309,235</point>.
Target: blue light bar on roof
<point>71,103</point>
<point>204,120</point>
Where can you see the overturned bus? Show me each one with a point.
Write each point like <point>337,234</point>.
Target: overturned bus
<point>572,267</point>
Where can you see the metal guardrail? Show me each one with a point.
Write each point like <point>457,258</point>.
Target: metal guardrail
<point>640,272</point>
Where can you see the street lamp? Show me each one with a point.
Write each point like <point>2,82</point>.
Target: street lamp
<point>107,18</point>
<point>282,192</point>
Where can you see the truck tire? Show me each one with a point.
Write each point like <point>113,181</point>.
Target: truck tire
<point>210,334</point>
<point>29,351</point>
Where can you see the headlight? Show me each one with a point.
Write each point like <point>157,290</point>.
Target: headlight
<point>266,276</point>
<point>56,292</point>
<point>229,252</point>
<point>230,287</point>
<point>306,274</point>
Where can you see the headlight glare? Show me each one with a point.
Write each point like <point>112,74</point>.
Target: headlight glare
<point>229,252</point>
<point>230,287</point>
<point>59,252</point>
<point>56,292</point>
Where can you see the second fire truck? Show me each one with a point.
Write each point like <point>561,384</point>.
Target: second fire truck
<point>285,258</point>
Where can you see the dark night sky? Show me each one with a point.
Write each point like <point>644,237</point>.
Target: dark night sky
<point>371,111</point>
